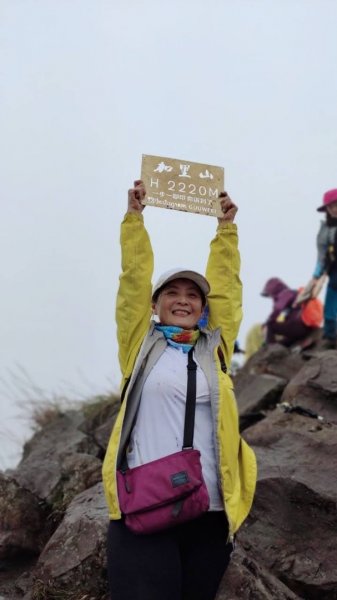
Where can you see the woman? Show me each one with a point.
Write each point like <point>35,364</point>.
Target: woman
<point>185,562</point>
<point>327,263</point>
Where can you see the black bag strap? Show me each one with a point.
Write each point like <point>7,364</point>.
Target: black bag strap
<point>191,395</point>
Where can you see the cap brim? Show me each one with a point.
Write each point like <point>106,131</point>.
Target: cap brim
<point>197,278</point>
<point>321,209</point>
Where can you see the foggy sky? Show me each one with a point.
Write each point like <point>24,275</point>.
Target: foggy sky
<point>87,88</point>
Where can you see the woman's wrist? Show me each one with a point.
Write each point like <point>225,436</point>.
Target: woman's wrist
<point>226,225</point>
<point>133,216</point>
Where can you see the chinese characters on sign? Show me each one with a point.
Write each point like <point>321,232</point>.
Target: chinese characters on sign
<point>182,185</point>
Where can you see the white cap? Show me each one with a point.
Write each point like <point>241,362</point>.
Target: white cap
<point>181,273</point>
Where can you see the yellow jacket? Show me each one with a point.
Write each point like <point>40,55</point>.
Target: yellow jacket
<point>140,345</point>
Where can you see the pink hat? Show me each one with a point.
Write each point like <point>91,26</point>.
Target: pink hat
<point>328,198</point>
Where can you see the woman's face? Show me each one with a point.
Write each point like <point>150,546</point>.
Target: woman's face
<point>332,209</point>
<point>179,303</point>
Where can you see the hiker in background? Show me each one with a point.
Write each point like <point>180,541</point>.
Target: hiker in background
<point>255,338</point>
<point>327,263</point>
<point>185,561</point>
<point>285,324</point>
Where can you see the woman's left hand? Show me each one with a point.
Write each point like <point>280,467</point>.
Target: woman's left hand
<point>228,208</point>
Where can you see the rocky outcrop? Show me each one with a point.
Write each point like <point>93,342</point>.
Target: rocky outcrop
<point>53,517</point>
<point>23,519</point>
<point>246,579</point>
<point>53,514</point>
<point>292,528</point>
<point>74,557</point>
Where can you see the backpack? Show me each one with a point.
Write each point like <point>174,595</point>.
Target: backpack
<point>312,312</point>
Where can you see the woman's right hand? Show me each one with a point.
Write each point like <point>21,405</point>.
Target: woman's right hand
<point>135,197</point>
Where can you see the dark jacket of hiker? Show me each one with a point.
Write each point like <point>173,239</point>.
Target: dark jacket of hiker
<point>282,296</point>
<point>284,324</point>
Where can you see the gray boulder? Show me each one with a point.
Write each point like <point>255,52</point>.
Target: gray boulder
<point>73,561</point>
<point>22,520</point>
<point>246,579</point>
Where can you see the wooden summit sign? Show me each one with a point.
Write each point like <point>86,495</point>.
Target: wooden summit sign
<point>182,185</point>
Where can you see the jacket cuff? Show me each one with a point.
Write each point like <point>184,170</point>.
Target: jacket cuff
<point>133,217</point>
<point>227,226</point>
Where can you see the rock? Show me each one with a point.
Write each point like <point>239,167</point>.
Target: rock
<point>22,520</point>
<point>49,460</point>
<point>315,385</point>
<point>99,420</point>
<point>292,532</point>
<point>78,473</point>
<point>74,557</point>
<point>245,579</point>
<point>274,359</point>
<point>287,446</point>
<point>16,577</point>
<point>258,392</point>
<point>294,518</point>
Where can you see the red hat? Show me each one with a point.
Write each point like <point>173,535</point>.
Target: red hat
<point>328,198</point>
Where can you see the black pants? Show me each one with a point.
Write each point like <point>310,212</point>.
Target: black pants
<point>186,562</point>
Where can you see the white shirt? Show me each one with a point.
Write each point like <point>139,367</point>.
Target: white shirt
<point>159,428</point>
